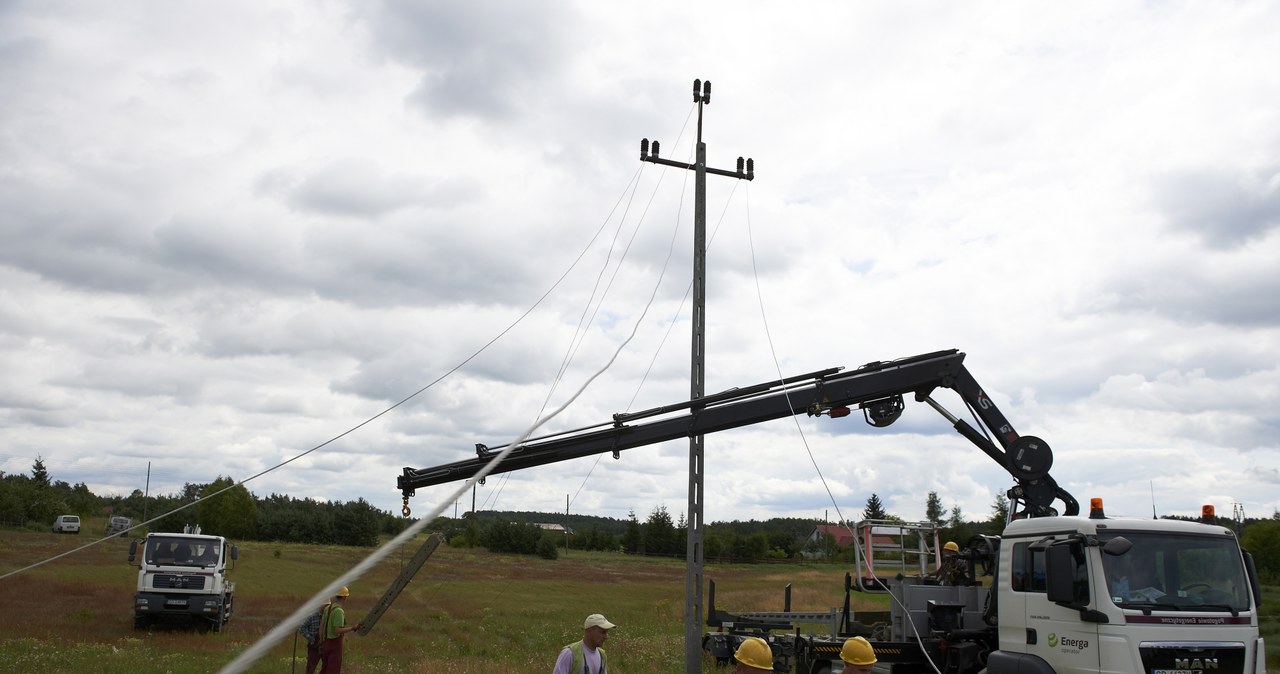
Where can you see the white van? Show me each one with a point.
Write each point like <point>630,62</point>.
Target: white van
<point>67,524</point>
<point>118,525</point>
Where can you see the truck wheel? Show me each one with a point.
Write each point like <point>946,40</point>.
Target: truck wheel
<point>224,614</point>
<point>141,622</point>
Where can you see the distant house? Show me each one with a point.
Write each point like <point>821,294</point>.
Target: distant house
<point>558,528</point>
<point>812,547</point>
<point>840,533</point>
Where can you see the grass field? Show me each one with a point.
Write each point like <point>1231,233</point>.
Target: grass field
<point>466,611</point>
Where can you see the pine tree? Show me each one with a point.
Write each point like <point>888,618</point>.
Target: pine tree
<point>933,510</point>
<point>874,509</point>
<point>632,538</point>
<point>1000,510</point>
<point>39,474</point>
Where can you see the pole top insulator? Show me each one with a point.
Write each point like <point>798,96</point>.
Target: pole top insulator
<point>701,91</point>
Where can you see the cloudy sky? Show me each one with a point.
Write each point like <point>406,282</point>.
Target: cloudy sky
<point>232,231</point>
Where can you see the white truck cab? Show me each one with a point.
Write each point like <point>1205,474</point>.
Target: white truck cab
<point>1097,594</point>
<point>118,525</point>
<point>183,576</point>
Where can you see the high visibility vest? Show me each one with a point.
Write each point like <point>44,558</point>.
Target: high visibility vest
<point>580,662</point>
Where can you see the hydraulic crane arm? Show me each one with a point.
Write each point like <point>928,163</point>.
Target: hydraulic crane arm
<point>877,388</point>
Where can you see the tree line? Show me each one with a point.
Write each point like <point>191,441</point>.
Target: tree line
<point>35,500</point>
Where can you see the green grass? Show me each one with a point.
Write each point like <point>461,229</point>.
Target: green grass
<point>1270,625</point>
<point>466,611</point>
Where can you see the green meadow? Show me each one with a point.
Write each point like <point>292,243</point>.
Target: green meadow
<point>467,610</point>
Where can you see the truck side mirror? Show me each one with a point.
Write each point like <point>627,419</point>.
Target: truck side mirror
<point>235,553</point>
<point>133,550</point>
<point>1059,574</point>
<point>1060,581</point>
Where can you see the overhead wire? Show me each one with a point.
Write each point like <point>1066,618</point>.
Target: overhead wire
<point>800,429</point>
<point>278,632</point>
<point>764,319</point>
<point>633,185</point>
<point>580,331</point>
<point>339,436</point>
<point>661,275</point>
<point>675,316</point>
<point>285,626</point>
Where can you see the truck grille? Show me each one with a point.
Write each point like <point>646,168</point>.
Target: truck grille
<point>1198,658</point>
<point>172,581</point>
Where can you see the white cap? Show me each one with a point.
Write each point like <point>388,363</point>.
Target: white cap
<point>597,620</point>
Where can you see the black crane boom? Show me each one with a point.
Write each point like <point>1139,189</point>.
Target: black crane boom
<point>877,388</point>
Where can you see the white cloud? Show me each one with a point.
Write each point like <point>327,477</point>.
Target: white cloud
<point>227,235</point>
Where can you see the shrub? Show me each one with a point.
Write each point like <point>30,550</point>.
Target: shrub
<point>547,549</point>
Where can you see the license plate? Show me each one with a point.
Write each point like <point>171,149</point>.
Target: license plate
<point>175,602</point>
<point>1176,671</point>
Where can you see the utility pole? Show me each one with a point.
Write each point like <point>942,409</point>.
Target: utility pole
<point>697,371</point>
<point>146,494</point>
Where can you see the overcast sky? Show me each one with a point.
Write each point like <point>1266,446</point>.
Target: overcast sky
<point>232,231</point>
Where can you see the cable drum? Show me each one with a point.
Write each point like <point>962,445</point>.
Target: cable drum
<point>1029,458</point>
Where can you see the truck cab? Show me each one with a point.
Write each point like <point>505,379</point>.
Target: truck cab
<point>1097,594</point>
<point>183,576</point>
<point>117,525</point>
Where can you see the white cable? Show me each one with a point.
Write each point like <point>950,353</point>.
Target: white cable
<point>778,367</point>
<point>281,630</point>
<point>285,626</point>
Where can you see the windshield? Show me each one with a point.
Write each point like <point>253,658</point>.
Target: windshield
<point>174,551</point>
<point>1177,572</point>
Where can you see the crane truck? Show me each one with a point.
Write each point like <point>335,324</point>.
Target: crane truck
<point>1051,594</point>
<point>1056,592</point>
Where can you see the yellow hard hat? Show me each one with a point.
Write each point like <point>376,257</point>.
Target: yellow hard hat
<point>754,652</point>
<point>858,651</point>
<point>344,592</point>
<point>951,545</point>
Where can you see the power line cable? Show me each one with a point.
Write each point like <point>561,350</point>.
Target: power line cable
<point>764,319</point>
<point>371,419</point>
<point>282,629</point>
<point>670,324</point>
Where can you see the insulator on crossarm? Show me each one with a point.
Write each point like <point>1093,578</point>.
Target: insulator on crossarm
<point>655,149</point>
<point>644,148</point>
<point>697,90</point>
<point>751,169</point>
<point>740,160</point>
<point>706,91</point>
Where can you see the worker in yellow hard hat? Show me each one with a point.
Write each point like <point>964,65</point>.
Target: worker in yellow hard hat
<point>951,571</point>
<point>753,655</point>
<point>858,656</point>
<point>333,627</point>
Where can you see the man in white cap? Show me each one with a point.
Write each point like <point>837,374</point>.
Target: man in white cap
<point>586,656</point>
